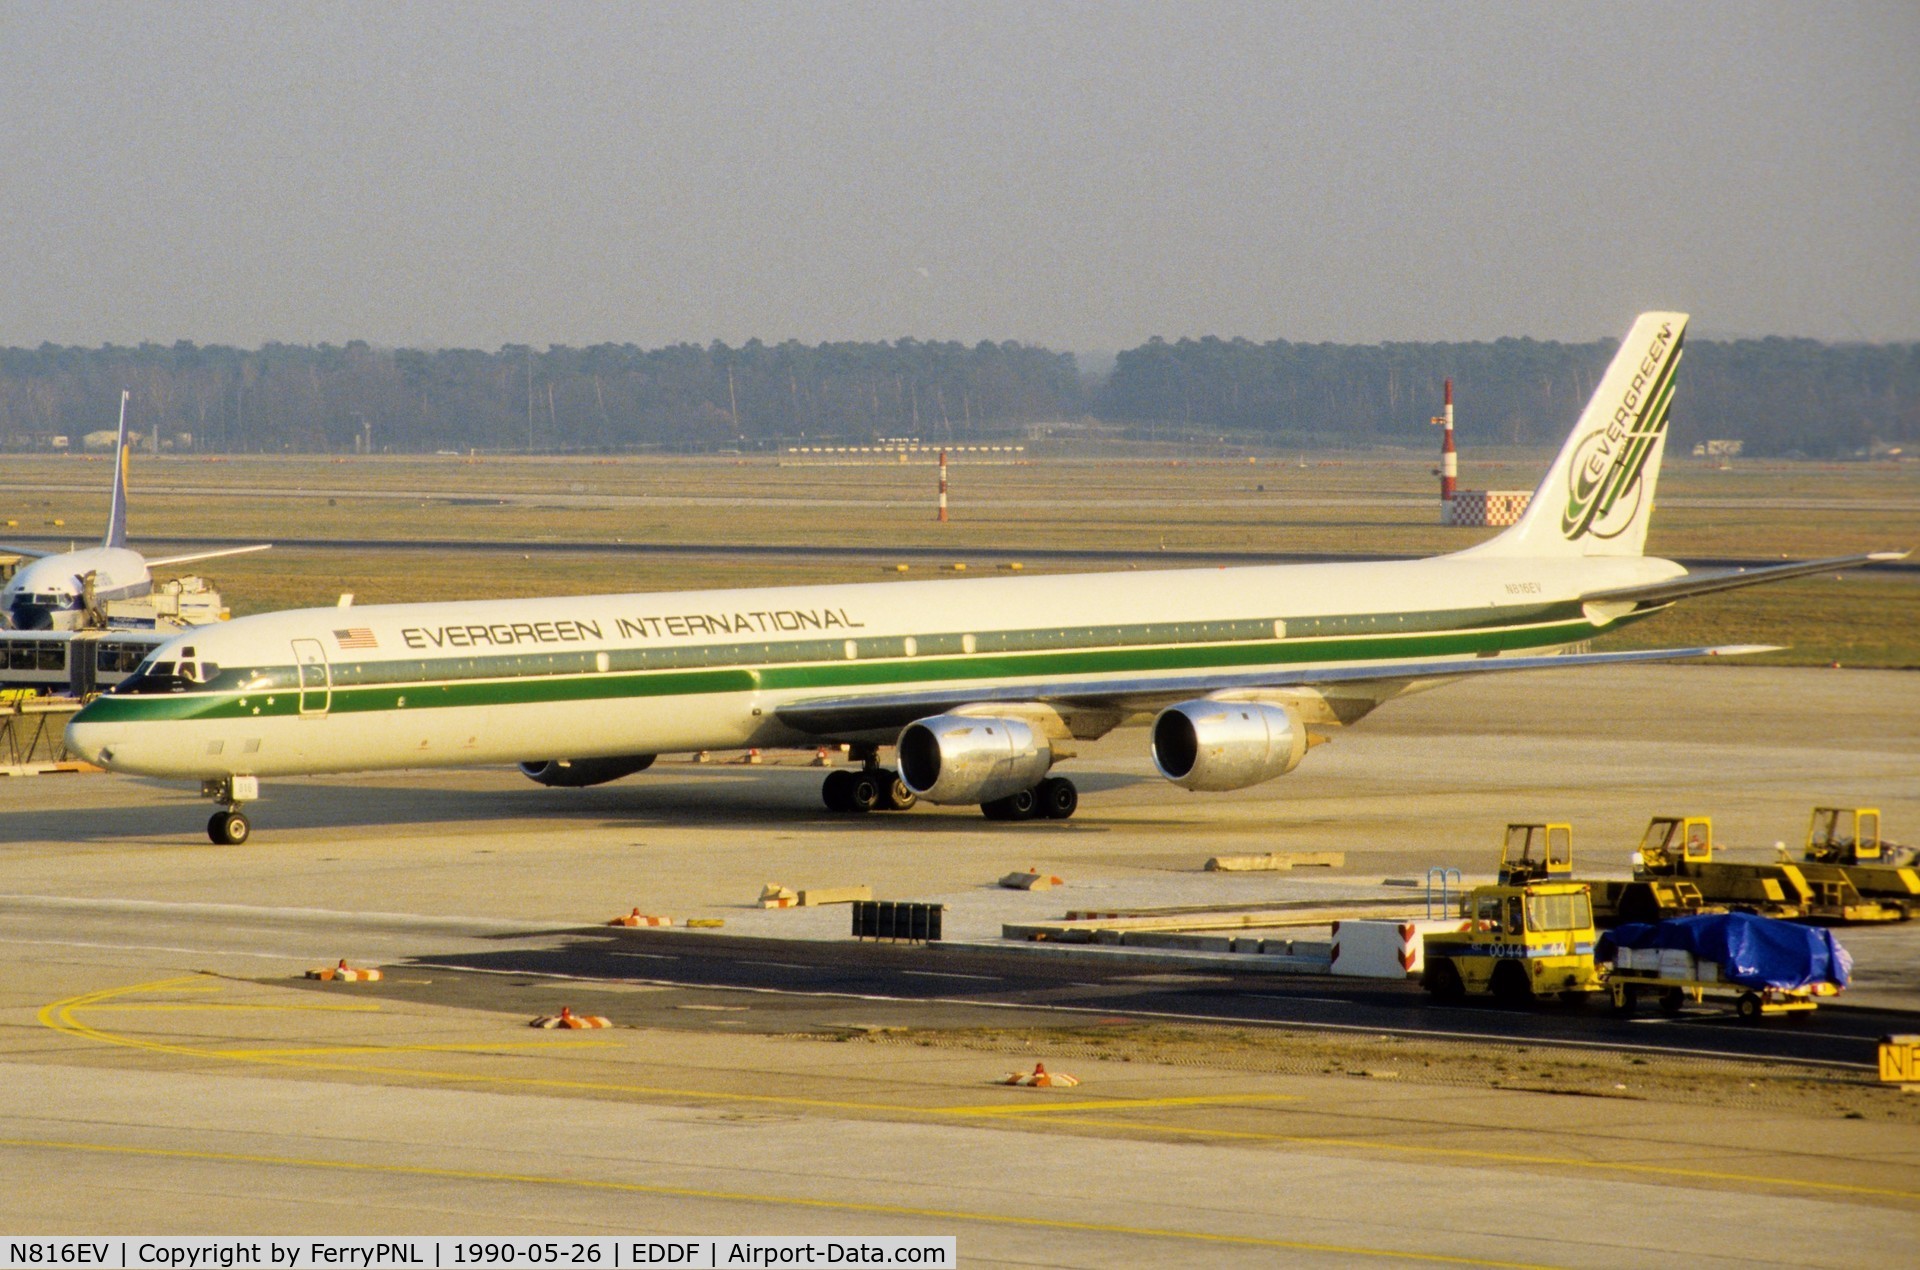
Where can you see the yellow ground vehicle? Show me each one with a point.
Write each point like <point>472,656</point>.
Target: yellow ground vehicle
<point>1681,848</point>
<point>1530,936</point>
<point>1614,900</point>
<point>1848,839</point>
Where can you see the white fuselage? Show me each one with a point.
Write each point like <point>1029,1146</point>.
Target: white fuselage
<point>51,593</point>
<point>418,685</point>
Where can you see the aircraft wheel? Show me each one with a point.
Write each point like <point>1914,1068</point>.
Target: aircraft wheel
<point>1057,797</point>
<point>864,793</point>
<point>837,790</point>
<point>1022,804</point>
<point>897,796</point>
<point>229,828</point>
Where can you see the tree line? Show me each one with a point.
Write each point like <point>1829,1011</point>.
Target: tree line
<point>336,398</point>
<point>1779,396</point>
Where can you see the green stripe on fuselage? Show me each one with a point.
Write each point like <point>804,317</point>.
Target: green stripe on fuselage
<point>1530,628</point>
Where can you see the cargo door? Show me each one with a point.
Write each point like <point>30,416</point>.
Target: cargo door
<point>316,677</point>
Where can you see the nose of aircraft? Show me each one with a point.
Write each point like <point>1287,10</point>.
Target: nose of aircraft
<point>92,741</point>
<point>19,613</point>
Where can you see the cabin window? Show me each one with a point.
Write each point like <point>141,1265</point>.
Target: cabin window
<point>1279,628</point>
<point>911,647</point>
<point>969,644</point>
<point>852,649</point>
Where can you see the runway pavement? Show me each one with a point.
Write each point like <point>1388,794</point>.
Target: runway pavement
<point>166,1069</point>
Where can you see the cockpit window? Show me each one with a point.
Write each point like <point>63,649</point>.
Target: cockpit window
<point>154,677</point>
<point>191,675</point>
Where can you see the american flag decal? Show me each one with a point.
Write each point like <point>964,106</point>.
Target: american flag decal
<point>356,637</point>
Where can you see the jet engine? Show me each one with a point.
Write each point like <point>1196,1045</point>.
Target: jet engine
<point>954,758</point>
<point>575,773</point>
<point>1216,745</point>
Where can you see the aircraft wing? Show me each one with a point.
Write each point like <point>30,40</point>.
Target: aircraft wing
<point>28,552</point>
<point>838,716</point>
<point>1710,580</point>
<point>208,555</point>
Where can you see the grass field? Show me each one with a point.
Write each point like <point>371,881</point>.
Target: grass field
<point>1364,504</point>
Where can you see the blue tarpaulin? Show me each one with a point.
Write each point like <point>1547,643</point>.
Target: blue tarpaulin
<point>1752,951</point>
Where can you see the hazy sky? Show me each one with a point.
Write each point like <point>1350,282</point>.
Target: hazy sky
<point>1084,176</point>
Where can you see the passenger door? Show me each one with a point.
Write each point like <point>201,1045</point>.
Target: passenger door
<point>316,677</point>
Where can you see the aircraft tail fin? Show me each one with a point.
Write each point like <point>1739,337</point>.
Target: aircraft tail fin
<point>117,512</point>
<point>1597,497</point>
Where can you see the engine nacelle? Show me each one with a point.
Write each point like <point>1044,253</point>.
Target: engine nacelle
<point>955,758</point>
<point>576,773</point>
<point>1216,745</point>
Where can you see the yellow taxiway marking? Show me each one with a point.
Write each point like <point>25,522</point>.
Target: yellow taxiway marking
<point>263,1007</point>
<point>782,1201</point>
<point>1109,1104</point>
<point>59,1016</point>
<point>1504,1157</point>
<point>451,1047</point>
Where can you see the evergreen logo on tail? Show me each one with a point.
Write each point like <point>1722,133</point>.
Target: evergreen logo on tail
<point>1604,489</point>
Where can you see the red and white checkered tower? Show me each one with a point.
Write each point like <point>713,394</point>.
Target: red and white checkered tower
<point>1449,460</point>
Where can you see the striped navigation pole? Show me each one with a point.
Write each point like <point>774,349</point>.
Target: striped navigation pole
<point>1449,461</point>
<point>942,517</point>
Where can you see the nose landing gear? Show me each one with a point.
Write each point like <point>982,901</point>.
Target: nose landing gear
<point>229,827</point>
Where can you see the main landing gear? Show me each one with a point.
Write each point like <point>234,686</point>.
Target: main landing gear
<point>881,789</point>
<point>1054,798</point>
<point>229,827</point>
<point>869,789</point>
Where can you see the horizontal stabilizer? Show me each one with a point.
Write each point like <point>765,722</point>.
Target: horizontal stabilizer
<point>846,715</point>
<point>1708,581</point>
<point>208,555</point>
<point>28,552</point>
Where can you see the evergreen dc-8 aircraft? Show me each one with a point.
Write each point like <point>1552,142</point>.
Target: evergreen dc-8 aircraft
<point>981,686</point>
